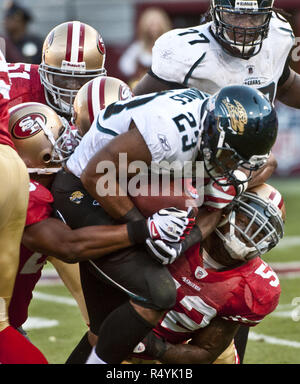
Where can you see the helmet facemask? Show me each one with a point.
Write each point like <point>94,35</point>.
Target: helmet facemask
<point>220,159</point>
<point>255,227</point>
<point>241,31</point>
<point>62,147</point>
<point>58,96</point>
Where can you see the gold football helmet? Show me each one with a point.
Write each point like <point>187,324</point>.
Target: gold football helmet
<point>73,53</point>
<point>256,223</point>
<point>95,95</point>
<point>43,139</point>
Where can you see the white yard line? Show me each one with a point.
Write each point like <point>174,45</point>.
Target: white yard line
<point>39,322</point>
<point>54,299</point>
<point>273,340</point>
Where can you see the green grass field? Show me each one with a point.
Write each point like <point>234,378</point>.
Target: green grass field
<point>275,341</point>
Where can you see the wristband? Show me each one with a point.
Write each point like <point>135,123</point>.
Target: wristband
<point>194,237</point>
<point>133,215</point>
<point>137,231</point>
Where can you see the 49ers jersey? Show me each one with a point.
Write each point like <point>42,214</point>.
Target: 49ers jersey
<point>169,122</point>
<point>194,58</point>
<point>4,102</point>
<point>25,84</point>
<point>31,263</point>
<point>244,295</point>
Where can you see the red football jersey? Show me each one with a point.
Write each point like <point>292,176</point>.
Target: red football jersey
<point>244,295</point>
<point>5,137</point>
<point>25,84</point>
<point>31,263</point>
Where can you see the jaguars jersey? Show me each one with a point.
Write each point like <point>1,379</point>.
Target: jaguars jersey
<point>169,122</point>
<point>243,295</point>
<point>31,263</point>
<point>194,58</point>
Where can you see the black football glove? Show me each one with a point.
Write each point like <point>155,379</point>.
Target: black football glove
<point>151,346</point>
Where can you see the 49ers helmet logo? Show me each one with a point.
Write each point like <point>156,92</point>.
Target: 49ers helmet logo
<point>28,126</point>
<point>100,45</point>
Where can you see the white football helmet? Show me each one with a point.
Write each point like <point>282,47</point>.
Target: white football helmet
<point>73,53</point>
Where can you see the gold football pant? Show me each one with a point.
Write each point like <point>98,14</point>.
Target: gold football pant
<point>14,192</point>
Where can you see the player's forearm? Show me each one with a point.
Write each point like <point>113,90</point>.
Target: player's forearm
<point>186,354</point>
<point>207,221</point>
<point>93,242</point>
<point>289,92</point>
<point>262,175</point>
<point>106,189</point>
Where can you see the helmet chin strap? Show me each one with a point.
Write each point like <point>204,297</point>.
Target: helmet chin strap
<point>234,246</point>
<point>43,171</point>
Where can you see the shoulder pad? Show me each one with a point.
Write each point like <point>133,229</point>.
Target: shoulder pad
<point>262,289</point>
<point>176,52</point>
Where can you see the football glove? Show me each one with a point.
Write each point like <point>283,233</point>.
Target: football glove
<point>151,346</point>
<point>170,224</point>
<point>164,253</point>
<point>218,196</point>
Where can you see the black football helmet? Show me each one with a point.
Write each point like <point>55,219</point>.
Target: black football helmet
<point>239,130</point>
<point>241,26</point>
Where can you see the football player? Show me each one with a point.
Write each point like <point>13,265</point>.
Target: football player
<point>95,95</point>
<point>14,348</point>
<point>246,42</point>
<point>221,284</point>
<point>73,53</point>
<point>241,42</point>
<point>219,129</point>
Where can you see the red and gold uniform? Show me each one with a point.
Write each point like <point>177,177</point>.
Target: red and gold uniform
<point>243,295</point>
<point>25,84</point>
<point>31,263</point>
<point>14,348</point>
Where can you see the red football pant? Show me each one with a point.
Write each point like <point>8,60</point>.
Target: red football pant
<point>16,349</point>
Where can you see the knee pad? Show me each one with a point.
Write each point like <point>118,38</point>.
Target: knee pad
<point>163,292</point>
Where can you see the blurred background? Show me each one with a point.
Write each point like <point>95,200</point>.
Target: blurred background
<point>129,29</point>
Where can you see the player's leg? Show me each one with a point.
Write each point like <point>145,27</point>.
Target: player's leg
<point>152,291</point>
<point>14,348</point>
<point>240,341</point>
<point>132,268</point>
<point>69,273</point>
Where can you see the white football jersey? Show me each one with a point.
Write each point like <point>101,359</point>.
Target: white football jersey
<point>194,58</point>
<point>170,123</point>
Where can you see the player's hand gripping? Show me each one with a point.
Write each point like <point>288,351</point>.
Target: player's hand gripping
<point>218,196</point>
<point>170,224</point>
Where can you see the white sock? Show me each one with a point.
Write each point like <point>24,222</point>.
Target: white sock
<point>94,358</point>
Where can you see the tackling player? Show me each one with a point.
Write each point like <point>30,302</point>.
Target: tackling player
<point>221,284</point>
<point>73,53</point>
